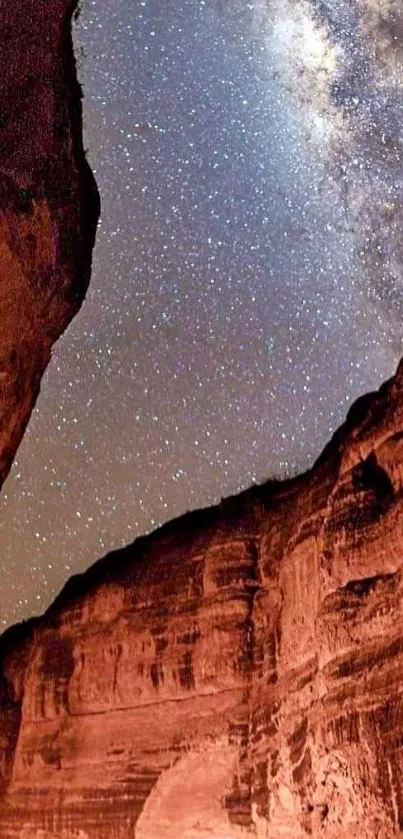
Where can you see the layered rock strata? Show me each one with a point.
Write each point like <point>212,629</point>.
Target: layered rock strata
<point>48,202</point>
<point>238,673</point>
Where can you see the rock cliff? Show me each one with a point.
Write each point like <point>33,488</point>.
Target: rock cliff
<point>238,673</point>
<point>48,203</point>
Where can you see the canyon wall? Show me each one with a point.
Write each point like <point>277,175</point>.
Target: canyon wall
<point>49,203</point>
<point>238,673</point>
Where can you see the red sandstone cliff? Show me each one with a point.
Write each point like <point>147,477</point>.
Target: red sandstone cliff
<point>48,202</point>
<point>238,673</point>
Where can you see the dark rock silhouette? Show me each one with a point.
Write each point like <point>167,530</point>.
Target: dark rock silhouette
<point>49,203</point>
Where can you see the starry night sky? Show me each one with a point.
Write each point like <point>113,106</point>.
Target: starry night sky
<point>248,272</point>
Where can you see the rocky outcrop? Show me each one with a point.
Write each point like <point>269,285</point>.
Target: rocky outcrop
<point>238,673</point>
<point>48,203</point>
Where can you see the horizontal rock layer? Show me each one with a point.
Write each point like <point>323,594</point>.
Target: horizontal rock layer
<point>48,203</point>
<point>238,673</point>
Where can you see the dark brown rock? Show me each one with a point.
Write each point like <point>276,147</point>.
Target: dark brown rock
<point>48,203</point>
<point>238,673</point>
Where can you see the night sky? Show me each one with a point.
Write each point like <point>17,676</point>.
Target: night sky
<point>248,272</point>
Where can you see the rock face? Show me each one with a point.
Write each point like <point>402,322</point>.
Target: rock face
<point>48,203</point>
<point>236,674</point>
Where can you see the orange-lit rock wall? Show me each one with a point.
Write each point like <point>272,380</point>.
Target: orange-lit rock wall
<point>238,673</point>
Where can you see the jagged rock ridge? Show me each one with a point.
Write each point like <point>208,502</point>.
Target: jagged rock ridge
<point>49,203</point>
<point>238,673</point>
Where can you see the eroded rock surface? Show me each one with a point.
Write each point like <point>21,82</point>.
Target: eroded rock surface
<point>238,673</point>
<point>48,203</point>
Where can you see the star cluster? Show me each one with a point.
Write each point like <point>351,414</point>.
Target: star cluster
<point>247,280</point>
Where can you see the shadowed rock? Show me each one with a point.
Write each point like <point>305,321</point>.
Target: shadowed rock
<point>49,203</point>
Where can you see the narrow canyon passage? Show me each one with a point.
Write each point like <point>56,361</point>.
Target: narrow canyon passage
<point>247,274</point>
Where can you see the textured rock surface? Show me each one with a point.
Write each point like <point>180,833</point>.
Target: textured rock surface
<point>239,672</point>
<point>48,203</point>
<point>236,674</point>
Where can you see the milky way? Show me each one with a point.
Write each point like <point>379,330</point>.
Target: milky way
<point>247,281</point>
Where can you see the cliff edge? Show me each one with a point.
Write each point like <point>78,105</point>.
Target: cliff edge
<point>49,204</point>
<point>237,673</point>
